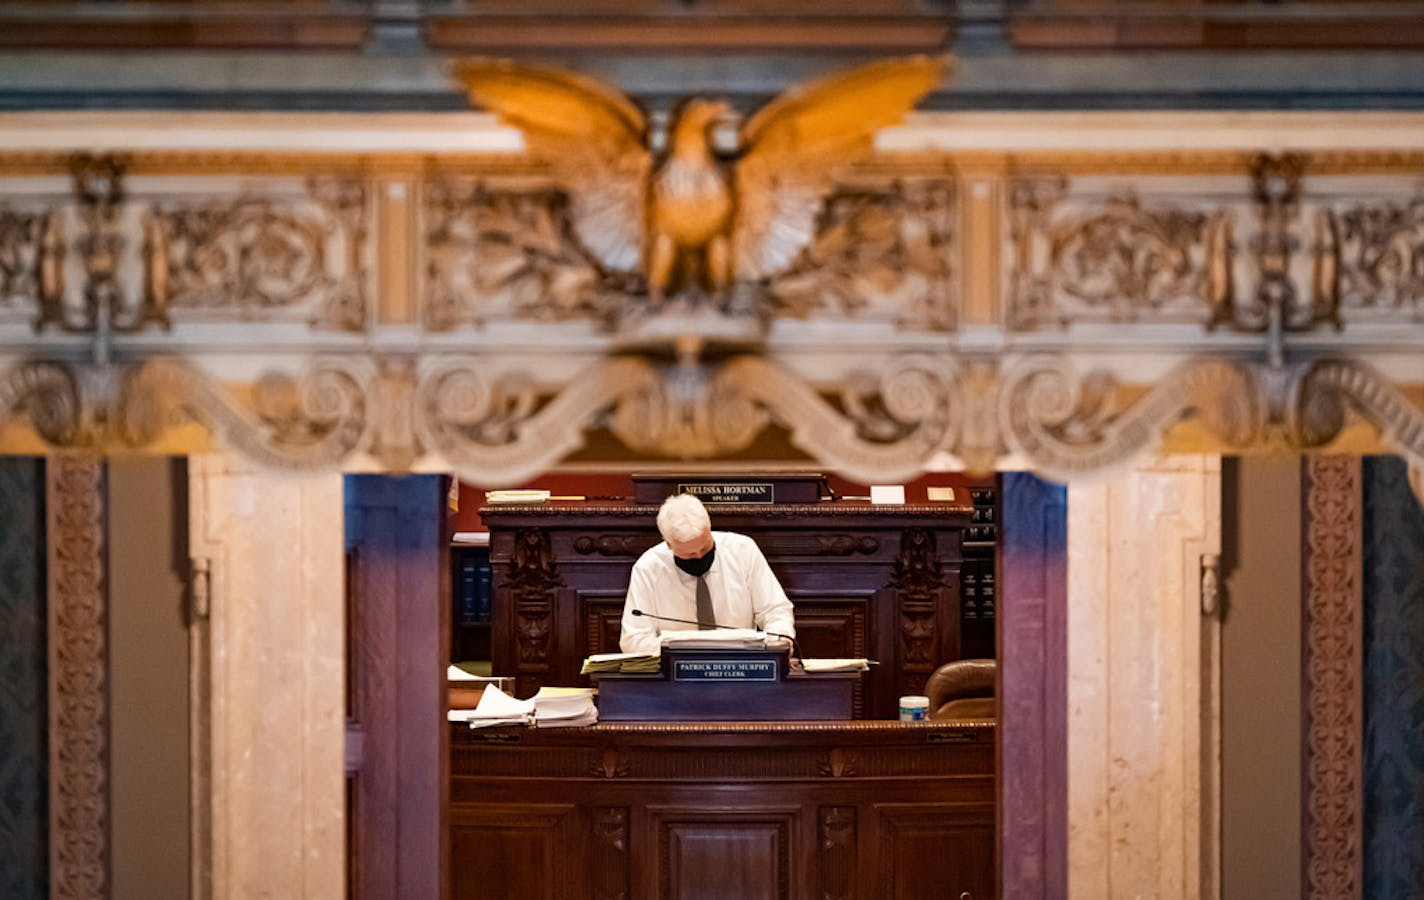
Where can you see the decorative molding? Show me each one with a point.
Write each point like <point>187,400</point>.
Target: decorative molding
<point>623,545</point>
<point>1334,718</point>
<point>837,832</point>
<point>845,545</point>
<point>78,676</point>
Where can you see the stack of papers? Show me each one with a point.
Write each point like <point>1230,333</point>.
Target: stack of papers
<point>715,639</point>
<point>516,496</point>
<point>628,663</point>
<point>564,707</point>
<point>835,665</point>
<point>496,708</point>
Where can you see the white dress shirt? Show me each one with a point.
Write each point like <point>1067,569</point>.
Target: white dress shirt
<point>745,593</point>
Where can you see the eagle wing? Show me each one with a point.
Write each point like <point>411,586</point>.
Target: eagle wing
<point>594,136</point>
<point>790,147</point>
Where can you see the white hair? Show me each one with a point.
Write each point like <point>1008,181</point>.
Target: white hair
<point>683,518</point>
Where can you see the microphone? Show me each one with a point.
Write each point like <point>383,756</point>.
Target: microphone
<point>795,651</point>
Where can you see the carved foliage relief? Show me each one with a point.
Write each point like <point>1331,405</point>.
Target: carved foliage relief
<point>918,579</point>
<point>531,580</point>
<point>260,256</point>
<point>1381,258</point>
<point>1076,256</point>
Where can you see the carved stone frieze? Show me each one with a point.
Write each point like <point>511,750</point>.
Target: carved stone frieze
<point>257,257</point>
<point>1378,263</point>
<point>78,676</point>
<point>22,256</point>
<point>1115,259</point>
<point>1334,636</point>
<point>888,251</point>
<point>509,253</point>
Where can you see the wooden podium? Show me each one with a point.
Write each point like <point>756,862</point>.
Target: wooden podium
<point>702,685</point>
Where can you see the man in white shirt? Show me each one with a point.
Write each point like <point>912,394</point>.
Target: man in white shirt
<point>714,577</point>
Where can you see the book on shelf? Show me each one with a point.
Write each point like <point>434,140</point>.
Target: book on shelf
<point>476,579</point>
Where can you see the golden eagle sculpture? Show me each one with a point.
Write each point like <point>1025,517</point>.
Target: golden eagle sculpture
<point>688,214</point>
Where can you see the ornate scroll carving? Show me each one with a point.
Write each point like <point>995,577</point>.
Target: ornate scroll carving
<point>1068,425</point>
<point>1333,672</point>
<point>845,545</point>
<point>918,579</point>
<point>531,580</point>
<point>876,247</point>
<point>1380,257</point>
<point>610,853</point>
<point>611,544</point>
<point>1108,262</point>
<point>314,421</point>
<point>257,256</point>
<point>836,826</point>
<point>78,675</point>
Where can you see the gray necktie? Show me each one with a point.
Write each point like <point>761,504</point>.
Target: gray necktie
<point>704,604</point>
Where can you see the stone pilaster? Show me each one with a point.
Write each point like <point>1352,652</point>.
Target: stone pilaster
<point>1143,746</point>
<point>270,697</point>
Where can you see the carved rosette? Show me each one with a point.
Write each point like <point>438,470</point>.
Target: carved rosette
<point>78,676</point>
<point>918,581</point>
<point>1334,726</point>
<point>531,580</point>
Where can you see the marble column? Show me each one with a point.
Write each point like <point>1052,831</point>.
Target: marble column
<point>1143,746</point>
<point>269,694</point>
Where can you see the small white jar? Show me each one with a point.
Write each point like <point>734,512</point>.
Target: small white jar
<point>914,708</point>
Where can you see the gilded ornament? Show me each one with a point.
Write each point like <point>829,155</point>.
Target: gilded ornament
<point>682,213</point>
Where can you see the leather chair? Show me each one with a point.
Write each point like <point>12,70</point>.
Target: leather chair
<point>963,689</point>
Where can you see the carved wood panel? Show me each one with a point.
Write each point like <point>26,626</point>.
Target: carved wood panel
<point>930,851</point>
<point>499,847</point>
<point>741,854</point>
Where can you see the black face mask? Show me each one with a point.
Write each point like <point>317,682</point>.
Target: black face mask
<point>699,566</point>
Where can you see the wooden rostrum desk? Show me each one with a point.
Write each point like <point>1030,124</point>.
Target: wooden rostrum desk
<point>695,811</point>
<point>881,582</point>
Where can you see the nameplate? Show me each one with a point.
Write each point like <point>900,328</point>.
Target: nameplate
<point>724,670</point>
<point>730,492</point>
